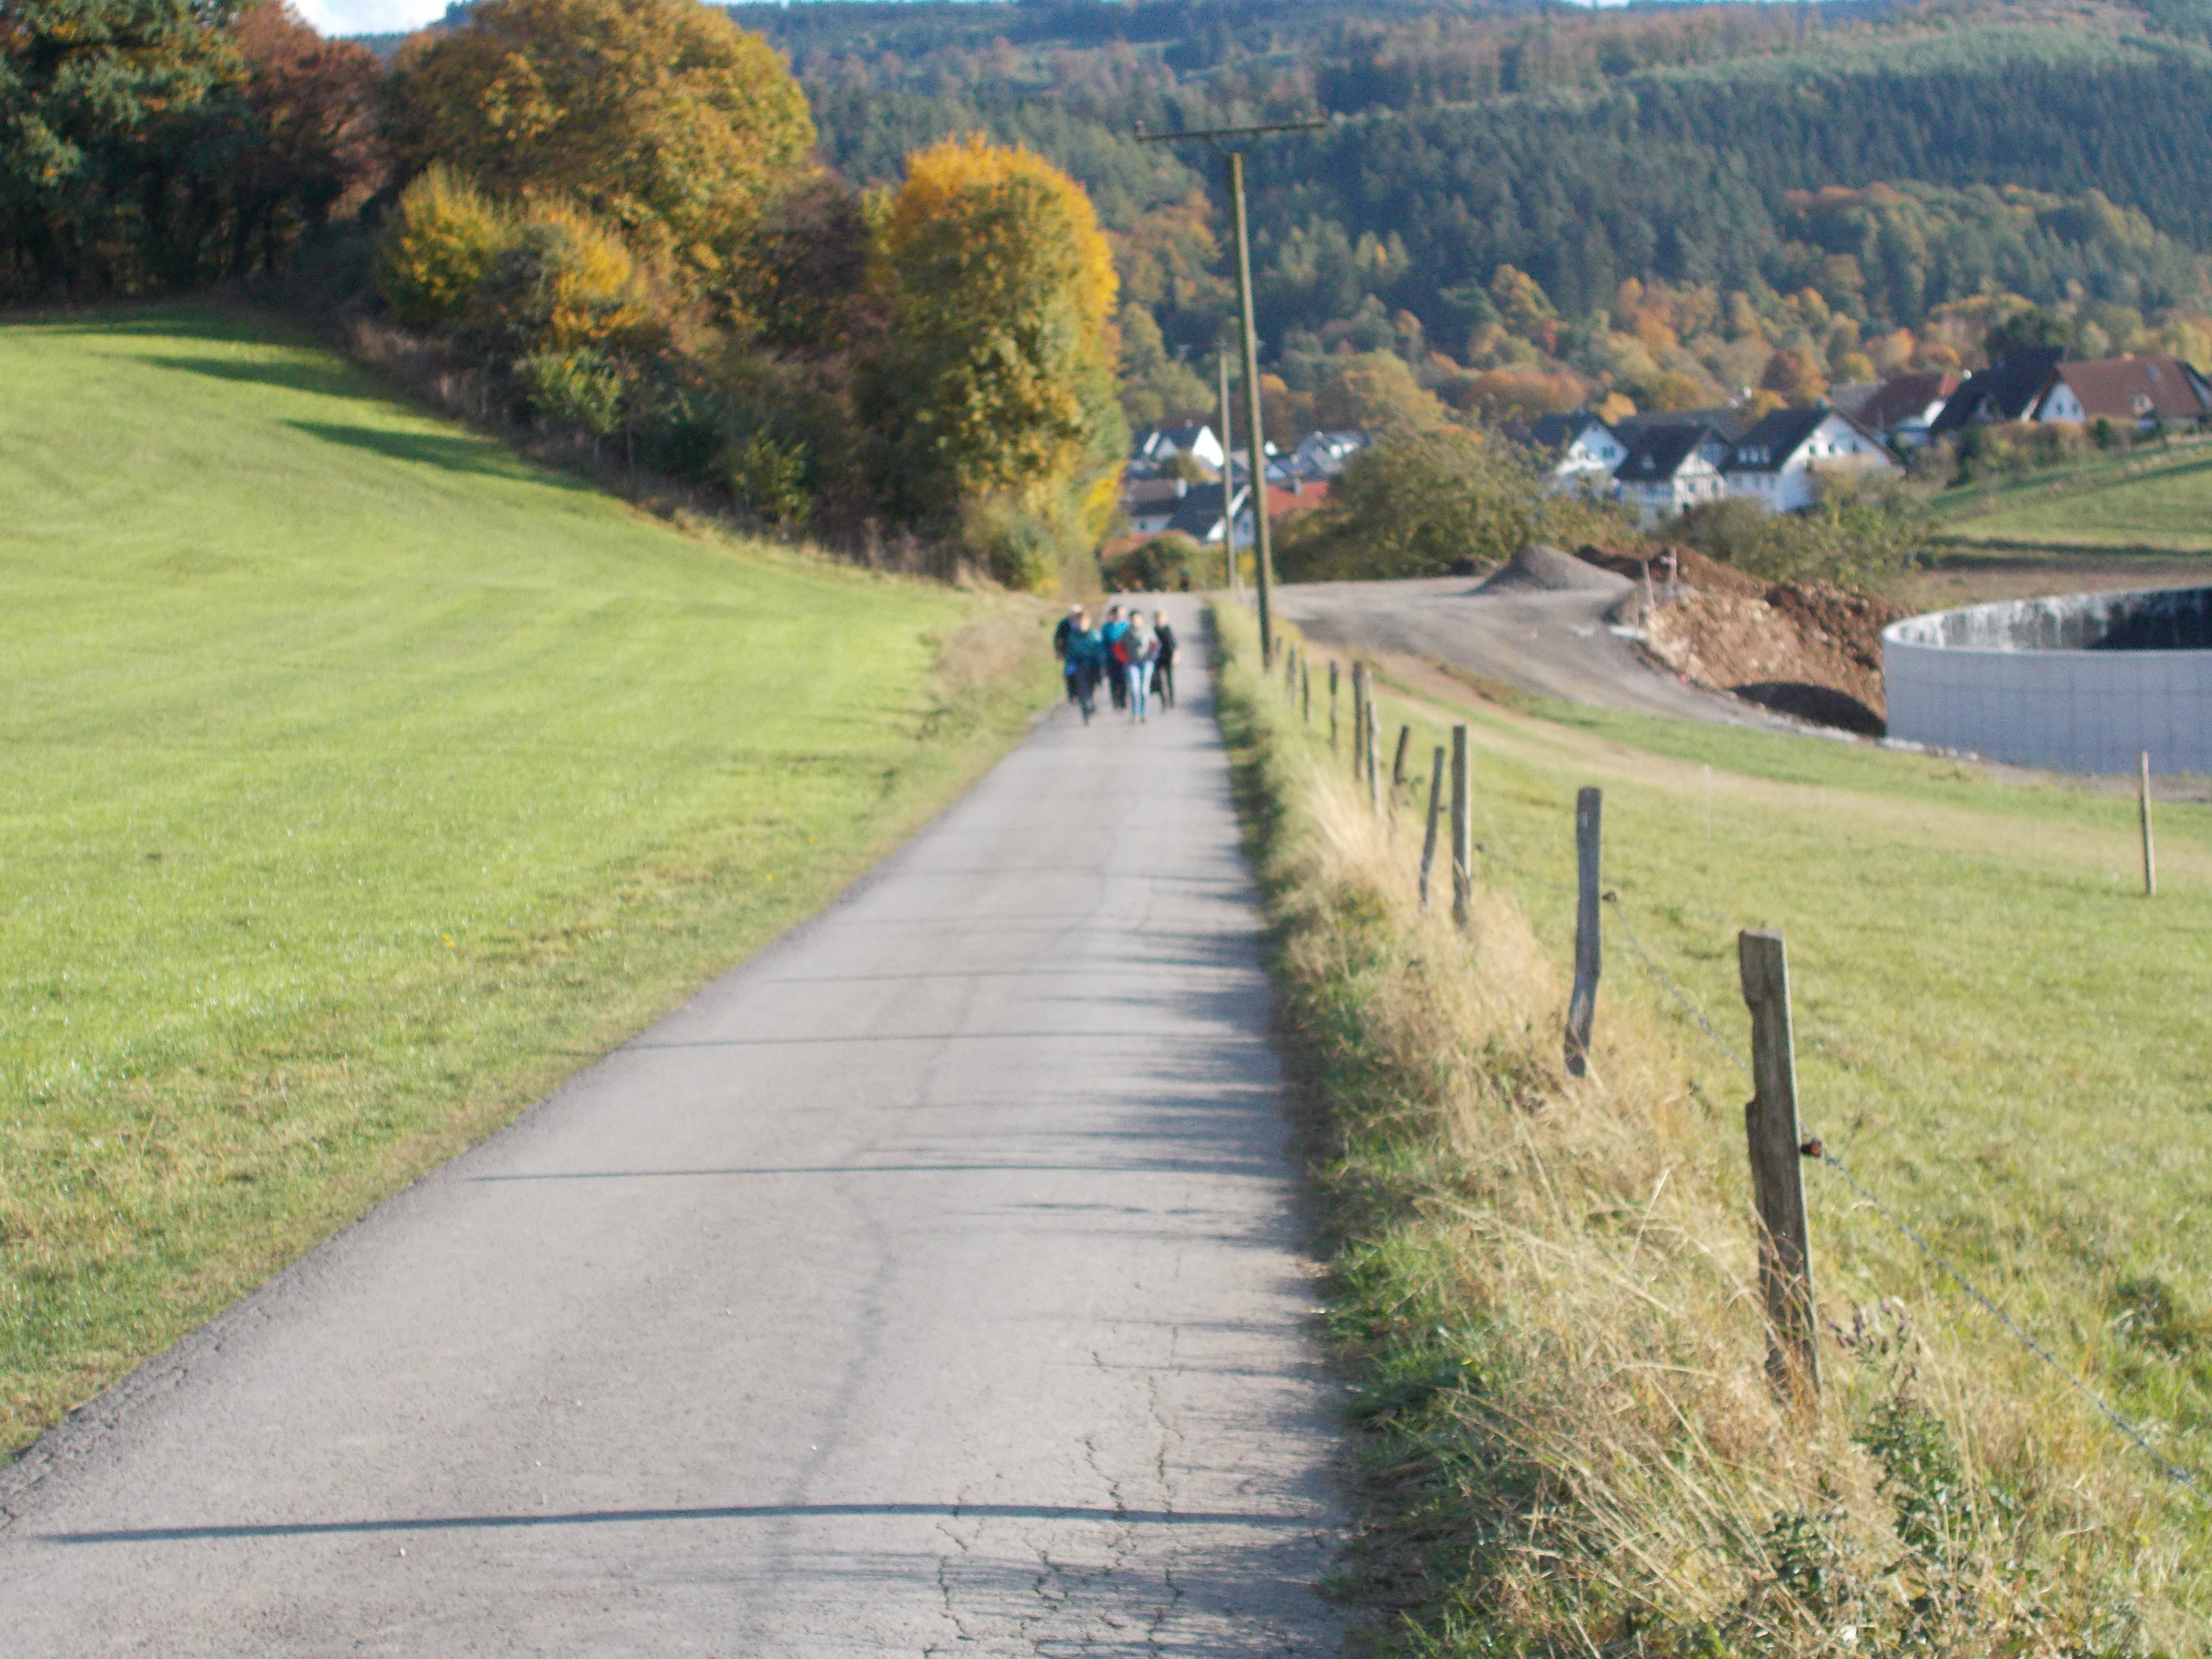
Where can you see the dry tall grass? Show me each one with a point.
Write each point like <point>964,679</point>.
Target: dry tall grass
<point>1545,1286</point>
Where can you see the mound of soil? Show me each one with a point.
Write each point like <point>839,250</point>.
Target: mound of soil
<point>1812,650</point>
<point>1692,569</point>
<point>1547,569</point>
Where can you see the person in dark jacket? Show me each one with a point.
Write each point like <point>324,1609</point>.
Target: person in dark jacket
<point>1164,661</point>
<point>1111,630</point>
<point>1087,657</point>
<point>1070,625</point>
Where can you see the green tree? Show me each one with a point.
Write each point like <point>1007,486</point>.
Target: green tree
<point>1415,505</point>
<point>2032,330</point>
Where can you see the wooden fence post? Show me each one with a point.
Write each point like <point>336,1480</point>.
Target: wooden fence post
<point>1291,674</point>
<point>1332,705</point>
<point>2143,802</point>
<point>1374,759</point>
<point>1306,687</point>
<point>1462,830</point>
<point>1777,1180</point>
<point>1436,811</point>
<point>1398,767</point>
<point>1358,720</point>
<point>1581,1003</point>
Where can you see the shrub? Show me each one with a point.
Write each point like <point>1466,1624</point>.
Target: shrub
<point>768,478</point>
<point>563,281</point>
<point>1165,564</point>
<point>581,389</point>
<point>442,239</point>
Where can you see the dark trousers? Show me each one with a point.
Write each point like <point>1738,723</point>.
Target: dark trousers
<point>1163,682</point>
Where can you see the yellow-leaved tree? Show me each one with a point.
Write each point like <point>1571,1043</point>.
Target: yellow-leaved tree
<point>662,117</point>
<point>994,396</point>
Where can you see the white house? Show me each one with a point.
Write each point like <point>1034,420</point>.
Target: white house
<point>1163,443</point>
<point>1775,463</point>
<point>1150,503</point>
<point>1906,406</point>
<point>2138,391</point>
<point>1670,469</point>
<point>1323,455</point>
<point>1580,450</point>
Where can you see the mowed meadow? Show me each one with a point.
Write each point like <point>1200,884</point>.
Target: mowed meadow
<point>1998,1034</point>
<point>359,781</point>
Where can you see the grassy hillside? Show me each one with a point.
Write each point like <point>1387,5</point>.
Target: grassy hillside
<point>359,781</point>
<point>1547,1288</point>
<point>2159,501</point>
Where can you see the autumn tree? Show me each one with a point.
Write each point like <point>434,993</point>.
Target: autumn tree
<point>994,396</point>
<point>660,116</point>
<point>318,151</point>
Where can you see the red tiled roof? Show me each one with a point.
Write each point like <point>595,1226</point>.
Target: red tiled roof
<point>1906,395</point>
<point>1282,503</point>
<point>2137,388</point>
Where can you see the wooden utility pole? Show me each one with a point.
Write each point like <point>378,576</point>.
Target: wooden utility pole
<point>1581,1002</point>
<point>1255,443</point>
<point>1229,490</point>
<point>2143,807</point>
<point>1777,1180</point>
<point>1462,830</point>
<point>1436,811</point>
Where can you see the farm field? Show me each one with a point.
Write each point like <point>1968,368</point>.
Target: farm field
<point>2145,504</point>
<point>362,780</point>
<point>1997,1032</point>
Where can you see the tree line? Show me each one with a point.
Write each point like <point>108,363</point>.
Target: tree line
<point>611,214</point>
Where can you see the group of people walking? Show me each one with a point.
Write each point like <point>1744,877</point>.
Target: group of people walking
<point>1135,658</point>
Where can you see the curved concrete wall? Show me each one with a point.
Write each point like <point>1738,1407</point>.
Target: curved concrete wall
<point>2081,684</point>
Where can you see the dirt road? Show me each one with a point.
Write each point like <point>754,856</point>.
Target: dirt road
<point>930,1281</point>
<point>1556,644</point>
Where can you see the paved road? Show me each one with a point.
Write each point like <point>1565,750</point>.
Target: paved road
<point>1554,644</point>
<point>931,1281</point>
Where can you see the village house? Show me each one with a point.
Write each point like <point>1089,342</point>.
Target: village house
<point>1902,410</point>
<point>1579,451</point>
<point>2138,392</point>
<point>1323,455</point>
<point>2005,391</point>
<point>1150,503</point>
<point>1775,463</point>
<point>1162,444</point>
<point>1670,467</point>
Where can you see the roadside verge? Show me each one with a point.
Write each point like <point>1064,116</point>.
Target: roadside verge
<point>1543,1289</point>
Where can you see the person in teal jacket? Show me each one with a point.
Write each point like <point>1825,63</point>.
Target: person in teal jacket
<point>1087,658</point>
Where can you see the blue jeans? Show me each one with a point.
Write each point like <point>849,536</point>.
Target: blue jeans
<point>1139,676</point>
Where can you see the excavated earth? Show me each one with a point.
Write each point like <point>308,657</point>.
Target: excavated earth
<point>1811,650</point>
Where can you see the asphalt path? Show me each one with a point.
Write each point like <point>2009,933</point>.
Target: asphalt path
<point>1554,644</point>
<point>931,1281</point>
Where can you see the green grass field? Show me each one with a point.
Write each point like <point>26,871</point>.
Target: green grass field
<point>362,780</point>
<point>2150,502</point>
<point>1995,1030</point>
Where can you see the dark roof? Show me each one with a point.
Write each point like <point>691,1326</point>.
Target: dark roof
<point>1727,420</point>
<point>2137,388</point>
<point>1903,397</point>
<point>1200,515</point>
<point>1775,437</point>
<point>2005,391</point>
<point>1658,451</point>
<point>1557,431</point>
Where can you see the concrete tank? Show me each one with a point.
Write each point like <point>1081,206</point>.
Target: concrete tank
<point>2079,683</point>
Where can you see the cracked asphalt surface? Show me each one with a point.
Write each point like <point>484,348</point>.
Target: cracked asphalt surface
<point>930,1283</point>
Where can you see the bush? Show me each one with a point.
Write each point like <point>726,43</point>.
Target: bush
<point>1856,534</point>
<point>563,281</point>
<point>441,238</point>
<point>767,478</point>
<point>1166,564</point>
<point>581,389</point>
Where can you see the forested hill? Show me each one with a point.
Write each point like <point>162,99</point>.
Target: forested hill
<point>2062,156</point>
